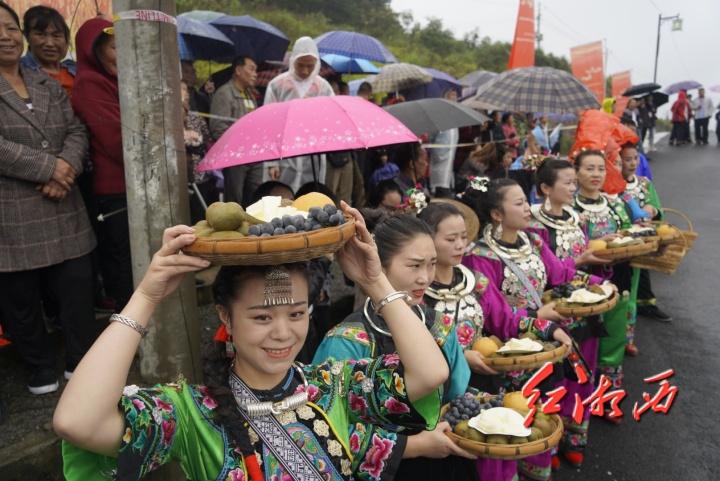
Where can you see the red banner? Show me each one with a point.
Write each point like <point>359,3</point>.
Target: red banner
<point>523,47</point>
<point>75,12</point>
<point>586,62</point>
<point>619,82</point>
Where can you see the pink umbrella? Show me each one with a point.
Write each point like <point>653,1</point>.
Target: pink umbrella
<point>305,126</point>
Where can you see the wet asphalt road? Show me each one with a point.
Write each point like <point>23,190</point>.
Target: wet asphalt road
<point>685,444</point>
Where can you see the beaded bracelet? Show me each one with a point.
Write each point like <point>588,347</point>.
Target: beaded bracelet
<point>131,323</point>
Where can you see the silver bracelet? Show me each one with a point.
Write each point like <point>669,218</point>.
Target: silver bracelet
<point>131,323</point>
<point>393,296</point>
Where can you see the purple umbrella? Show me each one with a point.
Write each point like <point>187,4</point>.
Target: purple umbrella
<point>684,85</point>
<point>474,80</point>
<point>198,40</point>
<point>440,83</point>
<point>354,45</point>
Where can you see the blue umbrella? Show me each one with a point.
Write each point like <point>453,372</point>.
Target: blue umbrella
<point>354,45</point>
<point>253,38</point>
<point>561,118</point>
<point>684,85</point>
<point>206,16</point>
<point>201,41</point>
<point>439,84</point>
<point>342,64</point>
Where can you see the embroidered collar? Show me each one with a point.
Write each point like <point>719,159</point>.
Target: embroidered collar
<point>570,223</point>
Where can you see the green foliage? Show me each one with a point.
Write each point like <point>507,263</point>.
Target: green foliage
<point>431,45</point>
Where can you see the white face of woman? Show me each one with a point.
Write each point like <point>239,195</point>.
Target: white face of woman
<point>11,39</point>
<point>591,173</point>
<point>450,240</point>
<point>267,339</point>
<point>515,213</point>
<point>563,191</point>
<point>413,267</point>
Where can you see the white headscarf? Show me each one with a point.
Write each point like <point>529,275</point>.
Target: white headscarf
<point>304,47</point>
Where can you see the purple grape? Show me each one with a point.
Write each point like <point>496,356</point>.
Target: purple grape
<point>278,231</point>
<point>291,229</point>
<point>323,217</point>
<point>277,222</point>
<point>330,209</point>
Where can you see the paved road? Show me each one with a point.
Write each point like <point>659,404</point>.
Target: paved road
<point>684,445</point>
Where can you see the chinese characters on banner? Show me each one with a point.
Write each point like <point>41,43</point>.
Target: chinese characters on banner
<point>619,82</point>
<point>523,47</point>
<point>586,62</point>
<point>74,12</point>
<point>603,401</point>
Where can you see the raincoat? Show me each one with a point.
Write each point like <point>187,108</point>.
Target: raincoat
<point>296,171</point>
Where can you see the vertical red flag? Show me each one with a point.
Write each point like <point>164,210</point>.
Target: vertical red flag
<point>619,82</point>
<point>586,62</point>
<point>523,47</point>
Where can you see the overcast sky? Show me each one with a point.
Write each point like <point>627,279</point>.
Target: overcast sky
<point>629,28</point>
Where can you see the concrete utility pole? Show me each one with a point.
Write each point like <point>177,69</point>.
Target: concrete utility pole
<point>155,173</point>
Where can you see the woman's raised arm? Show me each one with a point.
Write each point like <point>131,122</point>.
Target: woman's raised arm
<point>87,414</point>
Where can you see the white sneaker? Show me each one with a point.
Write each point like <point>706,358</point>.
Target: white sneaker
<point>43,381</point>
<point>68,375</point>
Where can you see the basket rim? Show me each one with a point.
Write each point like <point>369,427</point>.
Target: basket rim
<point>525,361</point>
<point>590,309</point>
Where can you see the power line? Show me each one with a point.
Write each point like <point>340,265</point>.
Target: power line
<point>654,5</point>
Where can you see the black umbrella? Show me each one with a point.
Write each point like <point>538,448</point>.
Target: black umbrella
<point>641,89</point>
<point>658,98</point>
<point>428,116</point>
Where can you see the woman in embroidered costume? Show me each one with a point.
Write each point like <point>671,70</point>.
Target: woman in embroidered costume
<point>521,266</point>
<point>602,215</point>
<point>408,258</point>
<point>268,419</point>
<point>557,223</point>
<point>642,190</point>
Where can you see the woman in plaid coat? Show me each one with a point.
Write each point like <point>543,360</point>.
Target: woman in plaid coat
<point>45,233</point>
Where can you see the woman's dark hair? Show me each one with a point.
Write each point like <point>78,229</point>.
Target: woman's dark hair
<point>436,212</point>
<point>505,117</point>
<point>12,12</point>
<point>365,87</point>
<point>547,173</point>
<point>483,203</point>
<point>39,18</point>
<point>394,233</point>
<point>586,153</point>
<point>405,155</point>
<point>266,189</point>
<point>378,193</point>
<point>226,286</point>
<point>317,187</point>
<point>99,42</point>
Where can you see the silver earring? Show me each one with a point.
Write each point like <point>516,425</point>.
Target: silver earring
<point>498,232</point>
<point>547,205</point>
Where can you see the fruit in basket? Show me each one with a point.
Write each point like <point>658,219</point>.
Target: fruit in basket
<point>497,341</point>
<point>244,228</point>
<point>462,429</point>
<point>528,335</point>
<point>544,424</point>
<point>518,440</point>
<point>317,218</point>
<point>226,234</point>
<point>597,245</point>
<point>665,230</point>
<point>225,216</point>
<point>497,439</point>
<point>515,400</point>
<point>549,346</point>
<point>485,346</point>
<point>474,435</point>
<point>203,229</point>
<point>535,434</point>
<point>312,199</point>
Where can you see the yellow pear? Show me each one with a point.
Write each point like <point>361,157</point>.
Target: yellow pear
<point>597,245</point>
<point>225,216</point>
<point>485,346</point>
<point>515,400</point>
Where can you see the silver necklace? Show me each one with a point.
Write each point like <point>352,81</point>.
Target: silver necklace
<point>508,252</point>
<point>265,408</point>
<point>542,216</point>
<point>600,207</point>
<point>368,317</point>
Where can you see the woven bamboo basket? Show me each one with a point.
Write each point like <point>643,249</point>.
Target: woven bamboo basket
<point>624,253</point>
<point>690,235</point>
<point>524,362</point>
<point>582,311</point>
<point>265,251</point>
<point>510,451</point>
<point>665,239</point>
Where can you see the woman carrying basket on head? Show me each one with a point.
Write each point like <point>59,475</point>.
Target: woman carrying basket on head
<point>266,418</point>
